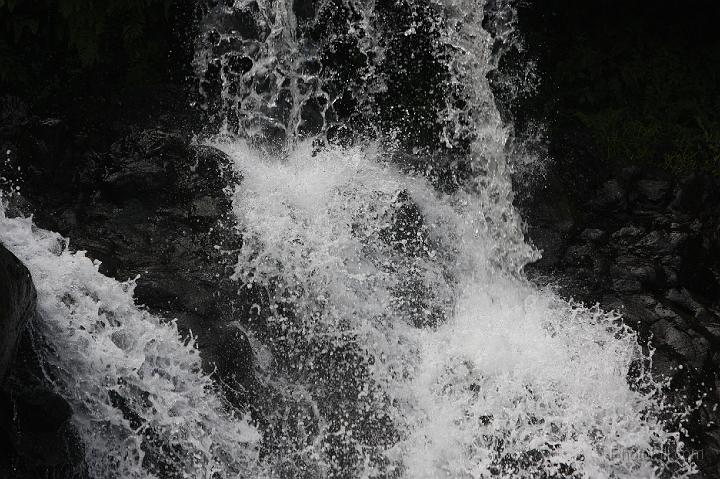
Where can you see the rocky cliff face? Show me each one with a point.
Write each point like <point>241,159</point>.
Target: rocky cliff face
<point>147,203</point>
<point>646,244</point>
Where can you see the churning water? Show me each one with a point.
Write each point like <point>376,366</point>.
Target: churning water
<point>394,333</point>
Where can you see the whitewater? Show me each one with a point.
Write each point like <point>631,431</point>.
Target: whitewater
<point>395,334</point>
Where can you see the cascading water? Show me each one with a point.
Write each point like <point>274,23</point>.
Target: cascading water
<point>399,335</point>
<point>136,387</point>
<point>393,331</point>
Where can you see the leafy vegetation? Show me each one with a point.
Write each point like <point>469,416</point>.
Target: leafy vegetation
<point>641,77</point>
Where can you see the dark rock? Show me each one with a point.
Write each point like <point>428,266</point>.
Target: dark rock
<point>692,348</point>
<point>231,356</point>
<point>626,285</point>
<point>696,192</point>
<point>39,421</point>
<point>658,242</point>
<point>407,231</point>
<point>17,305</point>
<point>629,274</point>
<point>636,309</point>
<point>660,269</point>
<point>595,235</point>
<point>684,299</point>
<point>36,435</point>
<point>552,223</point>
<point>654,190</point>
<point>630,173</point>
<point>670,275</point>
<point>578,255</point>
<point>207,207</point>
<point>551,243</point>
<point>159,212</point>
<point>611,195</point>
<point>696,270</point>
<point>628,232</point>
<point>664,311</point>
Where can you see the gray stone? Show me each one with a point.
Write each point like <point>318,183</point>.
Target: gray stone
<point>35,427</point>
<point>578,254</point>
<point>207,206</point>
<point>690,348</point>
<point>695,192</point>
<point>666,313</point>
<point>610,195</point>
<point>656,242</point>
<point>638,309</point>
<point>628,232</point>
<point>594,235</point>
<point>626,285</point>
<point>654,190</point>
<point>683,298</point>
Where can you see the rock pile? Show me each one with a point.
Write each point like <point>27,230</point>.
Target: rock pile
<point>649,246</point>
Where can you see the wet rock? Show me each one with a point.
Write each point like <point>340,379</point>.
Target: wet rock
<point>659,267</point>
<point>628,233</point>
<point>142,165</point>
<point>39,421</point>
<point>636,309</point>
<point>551,225</point>
<point>231,356</point>
<point>663,311</point>
<point>631,273</point>
<point>611,195</point>
<point>684,299</point>
<point>37,438</point>
<point>595,235</point>
<point>693,349</point>
<point>653,190</point>
<point>407,231</point>
<point>626,285</point>
<point>578,255</point>
<point>659,243</point>
<point>207,207</point>
<point>172,231</point>
<point>696,192</point>
<point>17,305</point>
<point>152,205</point>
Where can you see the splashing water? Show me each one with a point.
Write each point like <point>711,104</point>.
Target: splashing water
<point>142,405</point>
<point>450,366</point>
<point>394,333</point>
<point>395,317</point>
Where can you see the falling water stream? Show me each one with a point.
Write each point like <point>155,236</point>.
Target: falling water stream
<point>393,331</point>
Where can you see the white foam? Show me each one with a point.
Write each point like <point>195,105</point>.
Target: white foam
<point>513,375</point>
<point>101,344</point>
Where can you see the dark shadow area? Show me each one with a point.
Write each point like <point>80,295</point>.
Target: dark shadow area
<point>635,80</point>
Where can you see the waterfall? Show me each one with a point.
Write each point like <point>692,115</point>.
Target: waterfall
<point>135,385</point>
<point>381,271</point>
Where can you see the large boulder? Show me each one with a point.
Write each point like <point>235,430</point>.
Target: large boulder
<point>37,438</point>
<point>17,305</point>
<point>154,206</point>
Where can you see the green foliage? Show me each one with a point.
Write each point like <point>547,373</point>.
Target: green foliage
<point>648,100</point>
<point>640,77</point>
